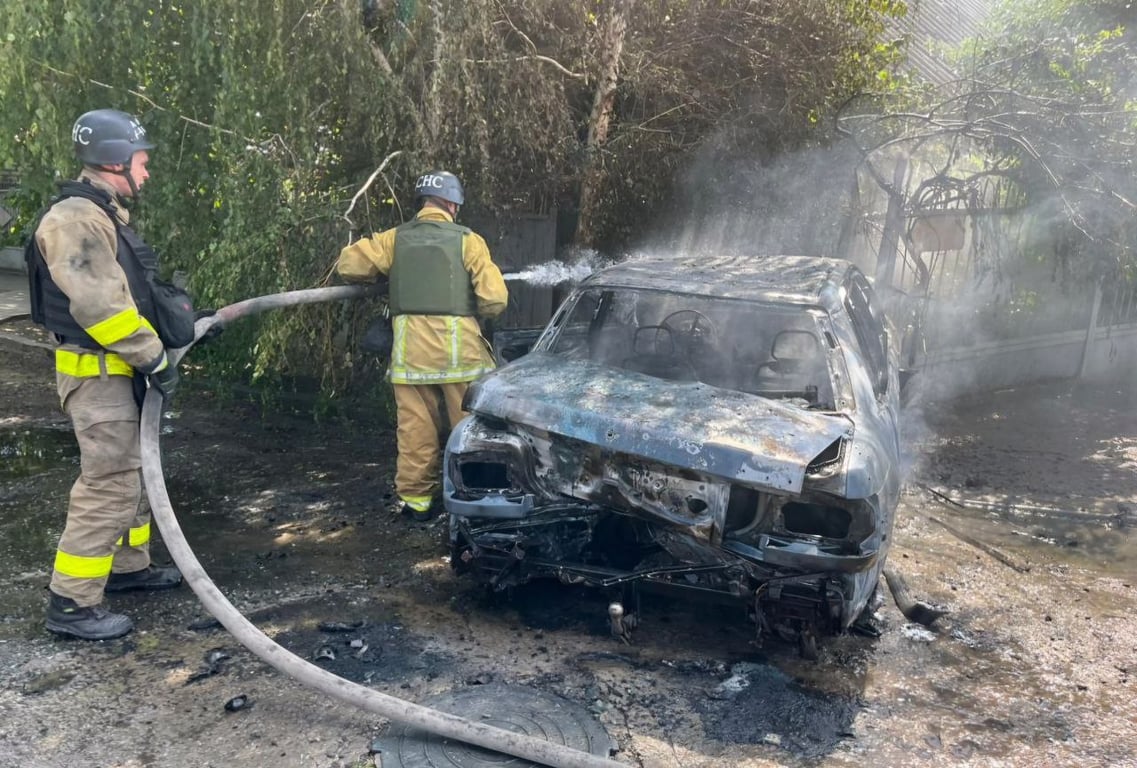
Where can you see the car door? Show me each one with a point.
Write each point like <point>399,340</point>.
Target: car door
<point>874,337</point>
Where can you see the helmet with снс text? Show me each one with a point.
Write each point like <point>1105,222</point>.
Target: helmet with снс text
<point>108,137</point>
<point>440,184</point>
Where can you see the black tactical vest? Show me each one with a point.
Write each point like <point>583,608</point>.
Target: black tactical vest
<point>427,274</point>
<point>51,308</point>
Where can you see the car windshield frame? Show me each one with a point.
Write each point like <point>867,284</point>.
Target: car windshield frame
<point>654,332</point>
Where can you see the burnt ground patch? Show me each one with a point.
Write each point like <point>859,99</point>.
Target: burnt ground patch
<point>545,604</point>
<point>380,652</point>
<point>548,605</point>
<point>760,704</point>
<point>358,639</point>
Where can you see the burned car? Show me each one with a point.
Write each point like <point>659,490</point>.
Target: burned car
<point>724,428</point>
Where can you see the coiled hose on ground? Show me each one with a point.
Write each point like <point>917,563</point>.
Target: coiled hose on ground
<point>393,708</point>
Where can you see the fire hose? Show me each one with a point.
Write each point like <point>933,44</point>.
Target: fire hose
<point>391,707</point>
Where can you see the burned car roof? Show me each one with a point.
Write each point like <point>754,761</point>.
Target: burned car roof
<point>782,279</point>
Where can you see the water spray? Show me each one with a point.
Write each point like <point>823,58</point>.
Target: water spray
<point>551,274</point>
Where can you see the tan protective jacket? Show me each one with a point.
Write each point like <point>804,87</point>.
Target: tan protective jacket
<point>433,349</point>
<point>79,244</point>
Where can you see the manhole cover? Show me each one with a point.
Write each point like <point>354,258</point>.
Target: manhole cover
<point>511,708</point>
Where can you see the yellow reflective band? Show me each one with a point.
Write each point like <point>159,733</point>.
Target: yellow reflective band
<point>399,348</point>
<point>116,327</point>
<point>139,536</point>
<point>84,365</point>
<point>146,324</point>
<point>136,537</point>
<point>82,567</point>
<point>400,373</point>
<point>404,375</point>
<point>455,339</point>
<point>418,503</point>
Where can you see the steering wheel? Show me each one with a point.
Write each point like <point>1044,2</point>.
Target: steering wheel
<point>689,324</point>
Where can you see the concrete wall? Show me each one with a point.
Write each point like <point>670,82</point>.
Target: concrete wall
<point>1113,353</point>
<point>12,260</point>
<point>1110,354</point>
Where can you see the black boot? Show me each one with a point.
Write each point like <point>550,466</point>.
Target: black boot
<point>153,577</point>
<point>94,622</point>
<point>423,515</point>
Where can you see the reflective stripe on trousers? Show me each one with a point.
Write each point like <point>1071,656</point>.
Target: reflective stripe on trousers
<point>423,411</point>
<point>105,505</point>
<point>418,503</point>
<point>80,567</point>
<point>135,537</point>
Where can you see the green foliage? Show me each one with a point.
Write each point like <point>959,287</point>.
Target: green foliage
<point>270,115</point>
<point>753,79</point>
<point>263,119</point>
<point>1074,65</point>
<point>1043,119</point>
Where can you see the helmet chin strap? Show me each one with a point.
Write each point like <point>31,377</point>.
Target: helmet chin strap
<point>125,173</point>
<point>129,180</point>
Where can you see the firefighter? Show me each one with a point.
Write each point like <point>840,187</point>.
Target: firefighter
<point>442,280</point>
<point>88,286</point>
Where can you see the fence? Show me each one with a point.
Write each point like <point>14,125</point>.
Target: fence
<point>980,305</point>
<point>516,243</point>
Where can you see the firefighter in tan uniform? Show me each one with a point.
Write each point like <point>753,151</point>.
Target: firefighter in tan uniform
<point>87,288</point>
<point>441,281</point>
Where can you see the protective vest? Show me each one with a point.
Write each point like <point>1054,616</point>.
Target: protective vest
<point>427,274</point>
<point>51,308</point>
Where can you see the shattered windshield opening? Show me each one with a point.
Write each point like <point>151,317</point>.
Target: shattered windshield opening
<point>775,351</point>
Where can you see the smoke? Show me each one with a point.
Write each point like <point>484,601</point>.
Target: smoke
<point>791,204</point>
<point>1008,308</point>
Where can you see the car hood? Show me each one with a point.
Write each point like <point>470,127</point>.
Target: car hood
<point>763,443</point>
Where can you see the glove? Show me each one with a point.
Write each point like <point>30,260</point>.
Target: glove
<point>164,378</point>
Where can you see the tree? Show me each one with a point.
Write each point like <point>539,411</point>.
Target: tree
<point>611,47</point>
<point>1044,120</point>
<point>740,81</point>
<point>274,118</point>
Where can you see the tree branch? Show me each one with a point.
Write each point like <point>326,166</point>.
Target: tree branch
<point>531,57</point>
<point>153,104</point>
<point>366,184</point>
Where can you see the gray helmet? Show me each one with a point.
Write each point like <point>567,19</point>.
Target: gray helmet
<point>108,137</point>
<point>441,184</point>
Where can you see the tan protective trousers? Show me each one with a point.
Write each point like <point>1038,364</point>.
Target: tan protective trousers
<point>108,522</point>
<point>419,408</point>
